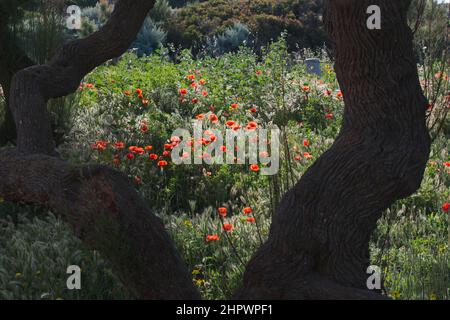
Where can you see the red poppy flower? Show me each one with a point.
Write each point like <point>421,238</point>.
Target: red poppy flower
<point>253,110</point>
<point>212,237</point>
<point>329,116</point>
<point>183,91</point>
<point>339,94</point>
<point>162,163</point>
<point>99,145</point>
<point>234,106</point>
<point>254,167</point>
<point>222,211</point>
<point>213,118</point>
<point>144,128</point>
<point>306,142</point>
<point>252,125</point>
<point>148,148</point>
<point>230,123</point>
<point>447,164</point>
<point>119,145</point>
<point>153,156</point>
<point>200,116</point>
<point>307,155</point>
<point>259,72</point>
<point>202,82</point>
<point>90,85</point>
<point>139,92</point>
<point>248,210</point>
<point>130,156</point>
<point>446,207</point>
<point>250,219</point>
<point>227,227</point>
<point>305,88</point>
<point>127,93</point>
<point>139,150</point>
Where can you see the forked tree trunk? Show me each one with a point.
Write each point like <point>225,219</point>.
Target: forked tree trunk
<point>318,245</point>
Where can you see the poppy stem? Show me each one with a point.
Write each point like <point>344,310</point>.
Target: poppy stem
<point>233,247</point>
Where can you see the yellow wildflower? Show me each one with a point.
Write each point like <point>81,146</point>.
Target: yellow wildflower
<point>395,294</point>
<point>200,282</point>
<point>442,248</point>
<point>188,223</point>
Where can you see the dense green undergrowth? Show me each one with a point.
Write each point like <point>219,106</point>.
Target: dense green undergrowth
<point>126,113</point>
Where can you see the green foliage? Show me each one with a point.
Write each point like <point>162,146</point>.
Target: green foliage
<point>138,101</point>
<point>36,249</point>
<point>230,40</point>
<point>194,24</point>
<point>94,17</point>
<point>161,11</point>
<point>150,38</point>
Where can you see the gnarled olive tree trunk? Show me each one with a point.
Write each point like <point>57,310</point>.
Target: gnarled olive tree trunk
<point>318,245</point>
<point>12,60</point>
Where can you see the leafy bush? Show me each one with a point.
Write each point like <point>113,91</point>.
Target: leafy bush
<point>192,25</point>
<point>150,38</point>
<point>228,41</point>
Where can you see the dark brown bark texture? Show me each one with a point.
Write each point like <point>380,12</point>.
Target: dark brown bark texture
<point>12,60</point>
<point>318,243</point>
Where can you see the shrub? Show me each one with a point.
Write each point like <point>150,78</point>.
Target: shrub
<point>192,25</point>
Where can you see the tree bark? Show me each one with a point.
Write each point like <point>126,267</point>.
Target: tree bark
<point>12,60</point>
<point>318,243</point>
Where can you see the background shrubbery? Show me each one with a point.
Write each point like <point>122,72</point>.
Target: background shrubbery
<point>194,24</point>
